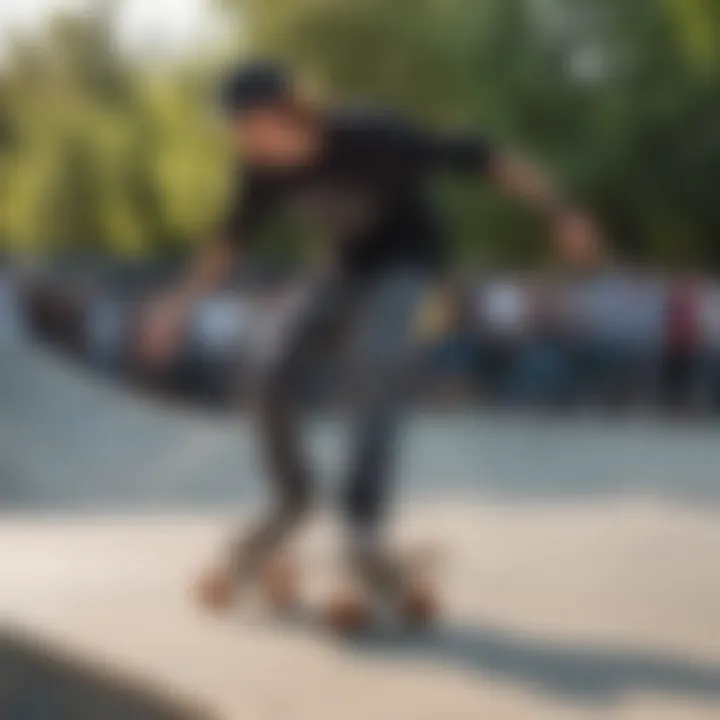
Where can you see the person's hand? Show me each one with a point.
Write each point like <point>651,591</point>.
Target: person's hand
<point>162,329</point>
<point>578,240</point>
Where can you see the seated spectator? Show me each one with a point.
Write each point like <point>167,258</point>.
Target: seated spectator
<point>706,374</point>
<point>542,366</point>
<point>682,345</point>
<point>612,319</point>
<point>220,327</point>
<point>446,329</point>
<point>504,317</point>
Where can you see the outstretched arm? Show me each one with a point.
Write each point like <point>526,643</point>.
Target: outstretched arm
<point>576,236</point>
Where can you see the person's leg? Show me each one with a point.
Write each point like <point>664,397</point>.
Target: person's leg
<point>386,357</point>
<point>278,405</point>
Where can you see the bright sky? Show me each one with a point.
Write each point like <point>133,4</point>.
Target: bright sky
<point>159,25</point>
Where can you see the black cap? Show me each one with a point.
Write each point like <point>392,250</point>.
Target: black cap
<point>252,85</point>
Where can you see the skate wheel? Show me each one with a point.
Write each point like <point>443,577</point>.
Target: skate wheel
<point>215,591</point>
<point>419,607</point>
<point>348,615</point>
<point>281,584</point>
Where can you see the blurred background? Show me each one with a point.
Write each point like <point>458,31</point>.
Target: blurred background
<point>594,391</point>
<point>113,168</point>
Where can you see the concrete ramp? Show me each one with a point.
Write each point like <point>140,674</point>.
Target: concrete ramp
<point>551,613</point>
<point>602,607</point>
<point>69,439</point>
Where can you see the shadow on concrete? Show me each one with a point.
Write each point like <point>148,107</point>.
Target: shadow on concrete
<point>38,683</point>
<point>594,675</point>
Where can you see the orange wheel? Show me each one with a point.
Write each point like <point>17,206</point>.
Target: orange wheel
<point>281,584</point>
<point>419,606</point>
<point>348,614</point>
<point>215,590</point>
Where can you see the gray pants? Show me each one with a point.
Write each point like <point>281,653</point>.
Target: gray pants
<point>380,316</point>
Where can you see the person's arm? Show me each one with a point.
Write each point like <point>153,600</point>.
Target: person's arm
<point>576,236</point>
<point>249,205</point>
<point>166,319</point>
<point>527,182</point>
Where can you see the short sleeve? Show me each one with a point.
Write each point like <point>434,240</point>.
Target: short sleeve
<point>434,150</point>
<point>398,145</point>
<point>462,153</point>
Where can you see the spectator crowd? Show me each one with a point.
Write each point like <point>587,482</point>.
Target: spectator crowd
<point>617,339</point>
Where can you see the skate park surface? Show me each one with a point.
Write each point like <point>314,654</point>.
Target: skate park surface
<point>579,563</point>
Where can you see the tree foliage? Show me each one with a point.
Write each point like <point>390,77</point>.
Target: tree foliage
<point>99,155</point>
<point>621,99</point>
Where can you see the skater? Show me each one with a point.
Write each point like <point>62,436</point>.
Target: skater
<point>360,178</point>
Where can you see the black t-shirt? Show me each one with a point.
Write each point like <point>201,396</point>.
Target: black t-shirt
<point>365,192</point>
